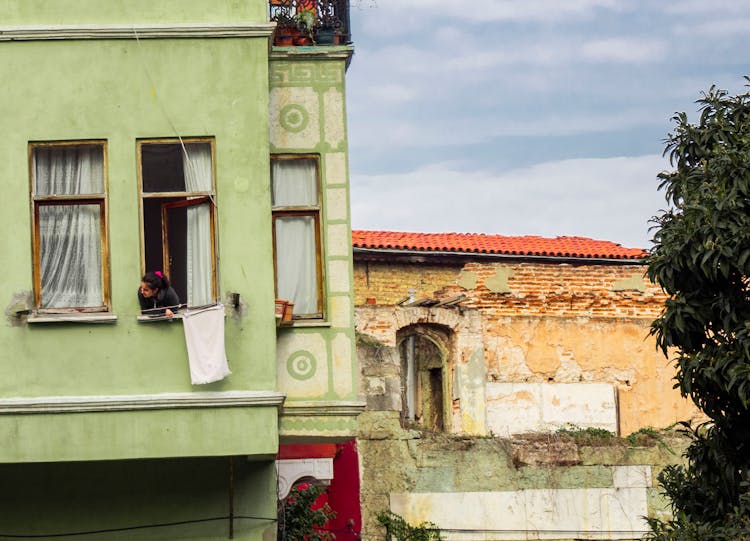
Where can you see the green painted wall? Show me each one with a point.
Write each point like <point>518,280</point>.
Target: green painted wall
<point>149,434</point>
<point>94,496</point>
<point>318,364</point>
<point>121,91</point>
<point>36,12</point>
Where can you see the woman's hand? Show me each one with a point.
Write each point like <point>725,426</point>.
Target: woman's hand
<point>168,313</point>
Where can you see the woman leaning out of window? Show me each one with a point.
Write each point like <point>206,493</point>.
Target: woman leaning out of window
<point>156,296</point>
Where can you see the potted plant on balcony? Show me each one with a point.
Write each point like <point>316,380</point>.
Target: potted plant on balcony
<point>306,19</point>
<point>328,31</point>
<point>329,24</point>
<point>286,30</point>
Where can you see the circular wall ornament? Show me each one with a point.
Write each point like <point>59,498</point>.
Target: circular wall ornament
<point>301,365</point>
<point>294,118</point>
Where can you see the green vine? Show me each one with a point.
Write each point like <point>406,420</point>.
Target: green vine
<point>397,528</point>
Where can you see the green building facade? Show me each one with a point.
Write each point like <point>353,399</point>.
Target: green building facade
<point>126,124</point>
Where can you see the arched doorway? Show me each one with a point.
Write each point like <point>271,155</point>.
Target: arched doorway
<point>425,352</point>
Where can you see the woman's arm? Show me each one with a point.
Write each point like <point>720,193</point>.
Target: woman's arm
<point>171,299</point>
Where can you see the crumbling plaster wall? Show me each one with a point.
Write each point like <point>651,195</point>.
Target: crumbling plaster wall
<point>380,383</point>
<point>408,469</point>
<point>533,325</point>
<point>536,322</point>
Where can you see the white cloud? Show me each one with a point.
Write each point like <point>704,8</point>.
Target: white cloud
<point>717,28</point>
<point>701,7</point>
<point>392,93</point>
<point>624,50</point>
<point>499,10</point>
<point>440,130</point>
<point>608,198</point>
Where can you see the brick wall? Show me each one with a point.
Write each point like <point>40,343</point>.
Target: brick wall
<point>513,289</point>
<point>553,323</point>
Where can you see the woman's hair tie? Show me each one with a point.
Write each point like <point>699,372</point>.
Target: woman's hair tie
<point>159,274</point>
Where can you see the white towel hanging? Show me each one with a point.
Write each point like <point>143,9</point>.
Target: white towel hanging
<point>204,338</point>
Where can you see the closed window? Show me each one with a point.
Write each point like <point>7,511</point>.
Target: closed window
<point>68,191</point>
<point>295,197</point>
<point>177,188</point>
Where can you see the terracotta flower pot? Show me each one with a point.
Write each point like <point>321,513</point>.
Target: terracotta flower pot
<point>283,41</point>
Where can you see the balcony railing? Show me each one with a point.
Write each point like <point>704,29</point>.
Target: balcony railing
<point>310,22</point>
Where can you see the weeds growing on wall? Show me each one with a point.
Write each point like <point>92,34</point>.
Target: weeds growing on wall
<point>587,436</point>
<point>397,528</point>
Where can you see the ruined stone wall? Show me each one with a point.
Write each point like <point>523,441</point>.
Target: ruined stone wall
<point>541,344</point>
<point>534,323</point>
<point>580,488</point>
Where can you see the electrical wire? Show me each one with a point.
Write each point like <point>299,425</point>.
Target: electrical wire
<point>130,528</point>
<point>164,111</point>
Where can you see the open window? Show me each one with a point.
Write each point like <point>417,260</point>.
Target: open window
<point>295,194</point>
<point>68,192</point>
<point>177,205</point>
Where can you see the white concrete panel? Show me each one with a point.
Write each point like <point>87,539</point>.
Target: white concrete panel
<point>336,208</point>
<point>338,276</point>
<point>340,311</point>
<point>343,377</point>
<point>598,513</point>
<point>333,102</point>
<point>339,241</point>
<point>580,404</point>
<point>632,476</point>
<point>513,408</point>
<point>517,408</point>
<point>335,163</point>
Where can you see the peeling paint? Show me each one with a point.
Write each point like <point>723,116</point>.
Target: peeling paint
<point>498,282</point>
<point>633,283</point>
<point>18,308</point>
<point>467,280</point>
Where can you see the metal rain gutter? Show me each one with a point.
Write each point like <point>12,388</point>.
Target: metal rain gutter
<point>545,258</point>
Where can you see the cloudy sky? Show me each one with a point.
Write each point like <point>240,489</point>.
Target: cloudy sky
<point>528,117</point>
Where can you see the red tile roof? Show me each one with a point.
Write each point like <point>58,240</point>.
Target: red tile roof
<point>563,247</point>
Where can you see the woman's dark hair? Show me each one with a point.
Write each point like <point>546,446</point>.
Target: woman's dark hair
<point>155,280</point>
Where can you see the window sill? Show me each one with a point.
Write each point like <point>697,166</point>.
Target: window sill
<point>155,319</point>
<point>72,318</point>
<point>311,323</point>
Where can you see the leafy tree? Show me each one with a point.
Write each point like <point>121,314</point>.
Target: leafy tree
<point>701,258</point>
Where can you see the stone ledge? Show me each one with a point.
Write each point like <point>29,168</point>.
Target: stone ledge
<point>136,31</point>
<point>81,404</point>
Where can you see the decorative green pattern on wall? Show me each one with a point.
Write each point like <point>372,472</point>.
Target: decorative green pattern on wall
<point>294,117</point>
<point>301,365</point>
<point>321,425</point>
<point>306,73</point>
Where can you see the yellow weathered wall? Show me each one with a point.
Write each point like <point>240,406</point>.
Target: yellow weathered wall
<point>544,322</point>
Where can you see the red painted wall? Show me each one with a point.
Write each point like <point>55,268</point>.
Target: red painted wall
<point>343,493</point>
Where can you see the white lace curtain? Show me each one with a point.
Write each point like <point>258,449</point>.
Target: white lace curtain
<point>70,247</point>
<point>294,184</point>
<point>198,178</point>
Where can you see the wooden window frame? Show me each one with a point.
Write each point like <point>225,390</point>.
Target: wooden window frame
<point>100,200</point>
<point>314,211</point>
<point>188,199</point>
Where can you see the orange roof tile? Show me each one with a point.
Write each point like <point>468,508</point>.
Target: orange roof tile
<point>563,247</point>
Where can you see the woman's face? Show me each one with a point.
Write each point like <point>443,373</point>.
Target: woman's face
<point>147,291</point>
